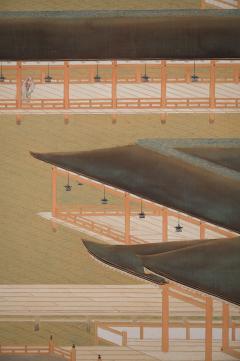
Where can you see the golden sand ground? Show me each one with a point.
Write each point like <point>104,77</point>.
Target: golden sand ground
<point>18,5</point>
<point>30,251</point>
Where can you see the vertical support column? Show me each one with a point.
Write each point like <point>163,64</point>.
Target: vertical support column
<point>51,345</point>
<point>164,225</point>
<point>188,68</point>
<point>54,191</point>
<point>19,85</point>
<point>127,213</point>
<point>73,353</point>
<point>225,326</point>
<point>114,83</point>
<point>163,83</point>
<point>138,69</point>
<point>208,329</point>
<point>236,74</point>
<point>165,318</point>
<point>212,88</point>
<point>66,85</point>
<point>91,72</point>
<point>202,230</point>
<point>141,332</point>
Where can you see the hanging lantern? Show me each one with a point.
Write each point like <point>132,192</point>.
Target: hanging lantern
<point>97,77</point>
<point>2,77</point>
<point>48,77</point>
<point>141,214</point>
<point>194,77</point>
<point>145,77</point>
<point>67,186</point>
<point>178,227</point>
<point>104,200</point>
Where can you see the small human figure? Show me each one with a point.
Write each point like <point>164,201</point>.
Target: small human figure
<point>28,87</point>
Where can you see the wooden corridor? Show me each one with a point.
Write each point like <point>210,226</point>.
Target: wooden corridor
<point>132,86</point>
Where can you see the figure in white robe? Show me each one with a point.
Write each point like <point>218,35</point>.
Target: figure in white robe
<point>27,88</point>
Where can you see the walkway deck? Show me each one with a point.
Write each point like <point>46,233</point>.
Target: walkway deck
<point>62,301</point>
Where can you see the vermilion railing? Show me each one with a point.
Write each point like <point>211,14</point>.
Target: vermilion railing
<point>121,103</point>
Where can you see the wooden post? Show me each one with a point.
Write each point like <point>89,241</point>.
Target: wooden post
<point>202,230</point>
<point>114,83</point>
<point>124,338</point>
<point>164,225</point>
<point>225,326</point>
<point>211,117</point>
<point>187,330</point>
<point>18,119</point>
<point>19,85</point>
<point>138,69</point>
<point>163,83</point>
<point>208,329</point>
<point>54,191</point>
<point>73,353</point>
<point>127,213</point>
<point>51,345</point>
<point>165,318</point>
<point>163,117</point>
<point>66,84</point>
<point>91,73</point>
<point>212,89</point>
<point>141,332</point>
<point>236,74</point>
<point>188,73</point>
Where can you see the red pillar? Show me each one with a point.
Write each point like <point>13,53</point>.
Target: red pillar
<point>165,318</point>
<point>225,326</point>
<point>66,84</point>
<point>163,83</point>
<point>164,225</point>
<point>127,213</point>
<point>212,89</point>
<point>19,85</point>
<point>202,230</point>
<point>208,329</point>
<point>114,83</point>
<point>54,191</point>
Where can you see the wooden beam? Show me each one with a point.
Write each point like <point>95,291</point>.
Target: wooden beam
<point>212,89</point>
<point>54,191</point>
<point>127,213</point>
<point>165,225</point>
<point>19,85</point>
<point>202,230</point>
<point>114,83</point>
<point>66,84</point>
<point>225,326</point>
<point>163,83</point>
<point>165,318</point>
<point>186,299</point>
<point>208,328</point>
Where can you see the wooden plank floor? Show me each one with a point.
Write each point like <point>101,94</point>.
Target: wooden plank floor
<point>146,90</point>
<point>190,350</point>
<point>91,300</point>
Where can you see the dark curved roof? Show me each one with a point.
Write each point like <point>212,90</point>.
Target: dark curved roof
<point>128,34</point>
<point>161,178</point>
<point>211,266</point>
